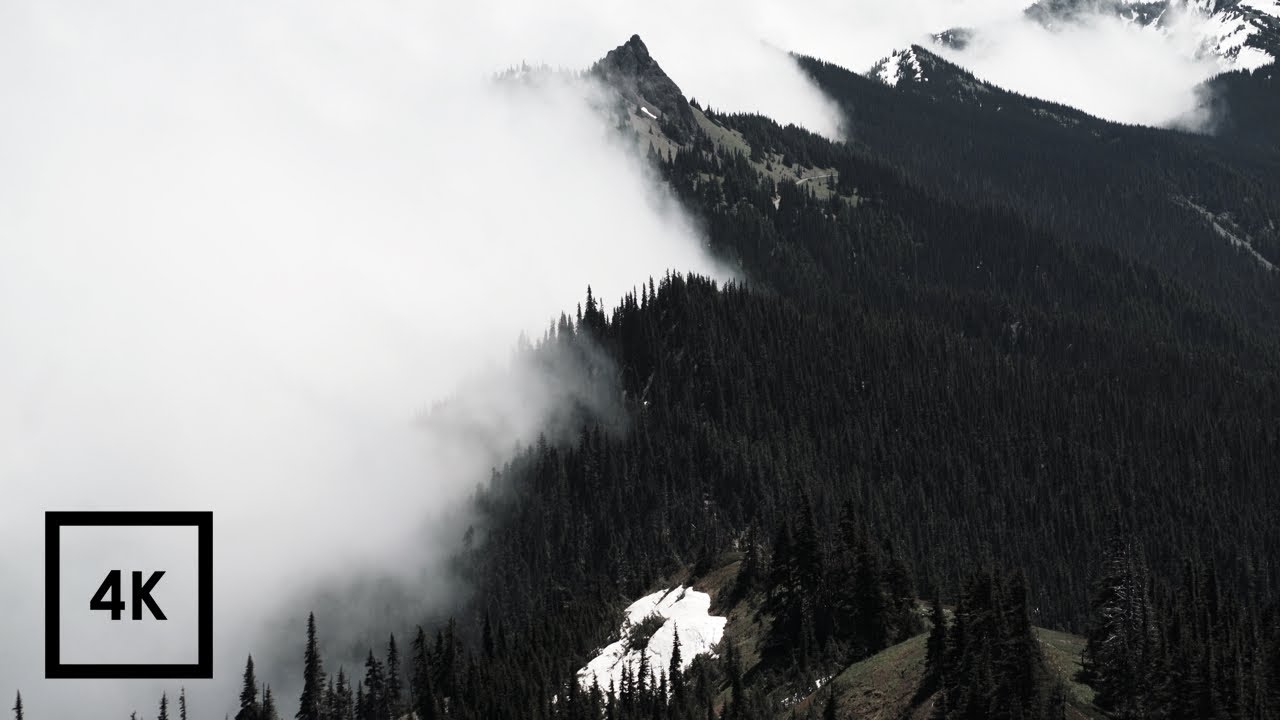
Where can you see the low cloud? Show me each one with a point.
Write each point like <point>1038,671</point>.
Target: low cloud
<point>1101,64</point>
<point>243,252</point>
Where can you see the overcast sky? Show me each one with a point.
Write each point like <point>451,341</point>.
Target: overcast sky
<point>245,245</point>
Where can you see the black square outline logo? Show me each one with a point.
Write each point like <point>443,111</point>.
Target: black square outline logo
<point>54,521</point>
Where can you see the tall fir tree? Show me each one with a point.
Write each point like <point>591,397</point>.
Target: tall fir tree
<point>675,671</point>
<point>249,708</point>
<point>1116,661</point>
<point>936,645</point>
<point>17,707</point>
<point>420,683</point>
<point>269,711</point>
<point>310,702</point>
<point>375,689</point>
<point>395,689</point>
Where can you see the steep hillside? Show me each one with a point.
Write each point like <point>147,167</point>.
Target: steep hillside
<point>886,684</point>
<point>1083,179</point>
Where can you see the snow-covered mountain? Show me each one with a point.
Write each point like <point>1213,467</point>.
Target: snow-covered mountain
<point>1244,34</point>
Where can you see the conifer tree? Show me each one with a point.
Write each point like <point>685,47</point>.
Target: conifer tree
<point>269,711</point>
<point>1115,660</point>
<point>486,638</point>
<point>164,707</point>
<point>249,709</point>
<point>17,707</point>
<point>345,704</point>
<point>182,703</point>
<point>310,701</point>
<point>642,679</point>
<point>375,689</point>
<point>829,711</point>
<point>936,645</point>
<point>675,671</point>
<point>420,685</point>
<point>395,692</point>
<point>749,571</point>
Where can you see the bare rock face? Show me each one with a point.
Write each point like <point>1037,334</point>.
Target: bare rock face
<point>641,82</point>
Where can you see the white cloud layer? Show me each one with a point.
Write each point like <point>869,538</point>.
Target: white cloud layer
<point>1101,64</point>
<point>242,250</point>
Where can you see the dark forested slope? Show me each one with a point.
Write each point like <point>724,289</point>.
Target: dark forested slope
<point>1150,194</point>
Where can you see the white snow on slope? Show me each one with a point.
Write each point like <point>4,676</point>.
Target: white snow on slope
<point>1267,7</point>
<point>1214,31</point>
<point>1225,33</point>
<point>683,610</point>
<point>899,65</point>
<point>887,72</point>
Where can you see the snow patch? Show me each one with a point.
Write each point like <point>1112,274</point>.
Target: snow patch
<point>645,110</point>
<point>900,65</point>
<point>682,610</point>
<point>1223,31</point>
<point>1266,7</point>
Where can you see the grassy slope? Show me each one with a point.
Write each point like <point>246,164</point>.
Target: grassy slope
<point>882,686</point>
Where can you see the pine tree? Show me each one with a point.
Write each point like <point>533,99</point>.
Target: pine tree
<point>420,685</point>
<point>870,604</point>
<point>749,571</point>
<point>936,645</point>
<point>675,671</point>
<point>395,700</point>
<point>1020,664</point>
<point>375,689</point>
<point>1115,660</point>
<point>249,709</point>
<point>17,707</point>
<point>786,598</point>
<point>486,638</point>
<point>182,703</point>
<point>164,707</point>
<point>309,702</point>
<point>345,705</point>
<point>269,711</point>
<point>642,679</point>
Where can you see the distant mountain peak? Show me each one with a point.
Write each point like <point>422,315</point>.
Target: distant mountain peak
<point>631,71</point>
<point>1242,34</point>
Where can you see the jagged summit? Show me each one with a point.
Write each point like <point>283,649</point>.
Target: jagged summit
<point>636,76</point>
<point>1243,34</point>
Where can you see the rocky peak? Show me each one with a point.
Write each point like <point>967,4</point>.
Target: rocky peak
<point>641,82</point>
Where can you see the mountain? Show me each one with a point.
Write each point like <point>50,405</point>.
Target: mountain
<point>918,70</point>
<point>975,336</point>
<point>1082,178</point>
<point>988,426</point>
<point>646,89</point>
<point>1243,34</point>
